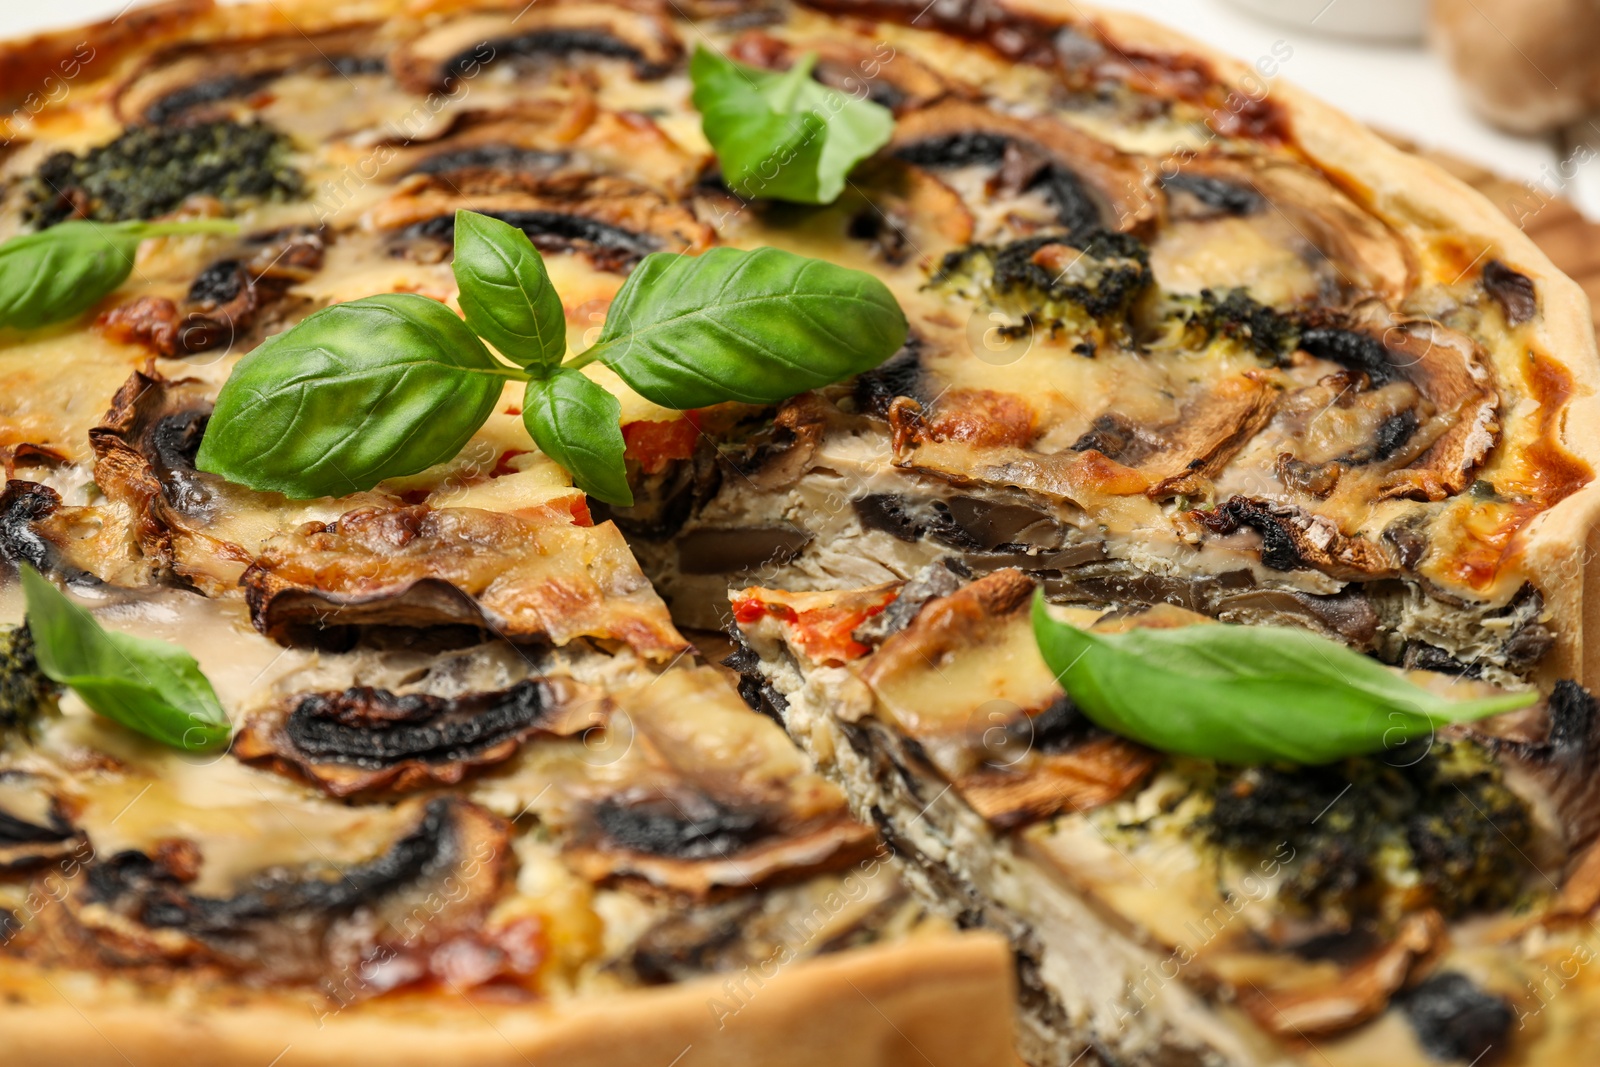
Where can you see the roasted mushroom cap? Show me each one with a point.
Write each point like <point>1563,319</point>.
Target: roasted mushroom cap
<point>33,828</point>
<point>448,864</point>
<point>1092,185</point>
<point>462,46</point>
<point>518,577</point>
<point>202,82</point>
<point>363,741</point>
<point>612,221</point>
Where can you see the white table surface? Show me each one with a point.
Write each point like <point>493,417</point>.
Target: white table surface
<point>1404,89</point>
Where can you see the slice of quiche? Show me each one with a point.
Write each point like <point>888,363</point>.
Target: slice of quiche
<point>1425,905</point>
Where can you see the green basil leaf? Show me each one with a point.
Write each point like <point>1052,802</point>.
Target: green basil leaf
<point>783,136</point>
<point>758,327</point>
<point>60,273</point>
<point>578,424</point>
<point>149,686</point>
<point>1246,694</point>
<point>505,293</point>
<point>359,392</point>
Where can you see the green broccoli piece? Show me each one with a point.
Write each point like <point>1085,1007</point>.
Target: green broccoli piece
<point>1234,316</point>
<point>1363,829</point>
<point>151,170</point>
<point>1098,287</point>
<point>25,693</point>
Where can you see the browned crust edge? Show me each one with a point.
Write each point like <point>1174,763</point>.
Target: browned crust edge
<point>1561,547</point>
<point>854,1009</point>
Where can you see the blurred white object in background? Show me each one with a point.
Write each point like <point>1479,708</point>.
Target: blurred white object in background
<point>1381,20</point>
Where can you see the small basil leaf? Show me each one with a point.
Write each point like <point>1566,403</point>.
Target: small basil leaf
<point>578,424</point>
<point>60,273</point>
<point>1246,694</point>
<point>359,392</point>
<point>758,327</point>
<point>505,293</point>
<point>782,136</point>
<point>149,686</point>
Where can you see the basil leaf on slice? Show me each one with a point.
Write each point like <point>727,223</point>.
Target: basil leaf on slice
<point>578,424</point>
<point>60,273</point>
<point>1246,694</point>
<point>758,327</point>
<point>148,686</point>
<point>377,388</point>
<point>505,293</point>
<point>783,136</point>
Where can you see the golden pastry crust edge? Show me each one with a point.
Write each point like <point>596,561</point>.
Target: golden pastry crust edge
<point>1560,549</point>
<point>850,1009</point>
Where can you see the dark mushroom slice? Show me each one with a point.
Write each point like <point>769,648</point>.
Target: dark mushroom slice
<point>705,846</point>
<point>1019,36</point>
<point>1456,1020</point>
<point>522,578</point>
<point>908,212</point>
<point>1092,185</point>
<point>1209,431</point>
<point>295,924</point>
<point>1204,196</point>
<point>33,828</point>
<point>611,221</point>
<point>363,741</point>
<point>35,528</point>
<point>1514,292</point>
<point>1294,539</point>
<point>902,374</point>
<point>1459,419</point>
<point>461,47</point>
<point>1282,231</point>
<point>202,82</point>
<point>710,550</point>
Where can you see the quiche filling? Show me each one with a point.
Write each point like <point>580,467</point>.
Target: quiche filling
<point>1162,365</point>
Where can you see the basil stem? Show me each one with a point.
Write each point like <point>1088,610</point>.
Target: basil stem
<point>1247,694</point>
<point>60,273</point>
<point>149,686</point>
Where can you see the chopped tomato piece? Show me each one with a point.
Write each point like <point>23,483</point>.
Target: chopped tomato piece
<point>821,624</point>
<point>655,445</point>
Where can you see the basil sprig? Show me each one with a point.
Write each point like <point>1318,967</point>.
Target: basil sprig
<point>391,385</point>
<point>149,686</point>
<point>783,136</point>
<point>1247,694</point>
<point>60,273</point>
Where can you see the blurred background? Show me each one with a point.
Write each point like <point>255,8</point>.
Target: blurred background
<point>1520,107</point>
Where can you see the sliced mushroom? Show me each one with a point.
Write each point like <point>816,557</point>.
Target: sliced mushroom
<point>693,843</point>
<point>1014,32</point>
<point>1514,292</point>
<point>198,82</point>
<point>612,221</point>
<point>1359,993</point>
<point>1208,432</point>
<point>1304,241</point>
<point>418,566</point>
<point>1092,185</point>
<point>462,46</point>
<point>363,741</point>
<point>33,828</point>
<point>710,550</point>
<point>35,528</point>
<point>1460,423</point>
<point>908,212</point>
<point>450,859</point>
<point>1294,539</point>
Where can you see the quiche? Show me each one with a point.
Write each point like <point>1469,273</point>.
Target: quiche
<point>1182,351</point>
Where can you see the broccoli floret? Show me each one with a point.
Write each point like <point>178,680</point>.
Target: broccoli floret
<point>25,693</point>
<point>1054,281</point>
<point>1234,316</point>
<point>1363,830</point>
<point>151,170</point>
